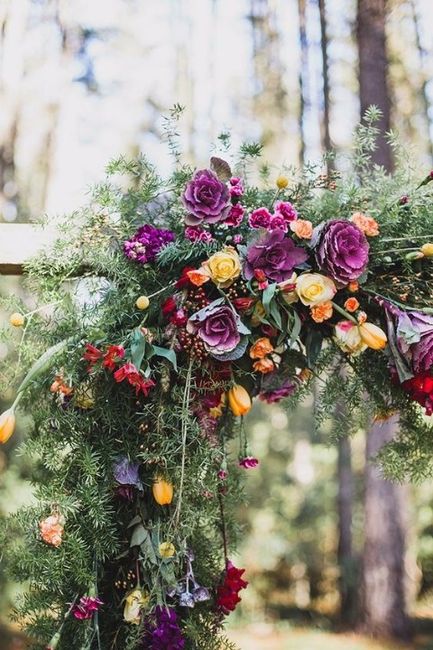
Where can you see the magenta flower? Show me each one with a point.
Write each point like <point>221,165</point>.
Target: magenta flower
<point>275,255</point>
<point>220,328</point>
<point>285,210</point>
<point>341,250</point>
<point>206,199</point>
<point>235,215</point>
<point>147,242</point>
<point>278,223</point>
<point>248,462</point>
<point>273,391</point>
<point>195,233</point>
<point>260,218</point>
<point>86,607</point>
<point>236,186</point>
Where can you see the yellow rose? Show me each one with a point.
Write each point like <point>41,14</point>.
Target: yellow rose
<point>134,603</point>
<point>224,267</point>
<point>313,289</point>
<point>166,549</point>
<point>258,314</point>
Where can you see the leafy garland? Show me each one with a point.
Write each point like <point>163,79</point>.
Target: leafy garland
<point>164,308</point>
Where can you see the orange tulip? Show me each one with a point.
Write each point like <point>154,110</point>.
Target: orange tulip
<point>7,425</point>
<point>373,336</point>
<point>162,491</point>
<point>239,400</point>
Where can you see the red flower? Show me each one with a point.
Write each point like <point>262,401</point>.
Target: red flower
<point>179,318</point>
<point>184,280</point>
<point>228,592</point>
<point>243,304</point>
<point>420,389</point>
<point>92,354</point>
<point>168,306</point>
<point>112,356</point>
<point>129,372</point>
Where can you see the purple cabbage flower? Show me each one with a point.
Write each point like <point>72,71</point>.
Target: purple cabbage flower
<point>422,350</point>
<point>126,473</point>
<point>220,328</point>
<point>275,255</point>
<point>273,391</point>
<point>206,198</point>
<point>144,246</point>
<point>163,632</point>
<point>341,250</point>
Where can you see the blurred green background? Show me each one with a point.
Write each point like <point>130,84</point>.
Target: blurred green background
<point>81,82</point>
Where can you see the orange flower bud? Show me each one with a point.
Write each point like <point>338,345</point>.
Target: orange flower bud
<point>198,277</point>
<point>162,491</point>
<point>239,400</point>
<point>351,304</point>
<point>373,336</point>
<point>353,286</point>
<point>7,425</point>
<point>264,365</point>
<point>261,348</point>
<point>16,319</point>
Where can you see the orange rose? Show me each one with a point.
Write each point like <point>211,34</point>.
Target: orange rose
<point>353,286</point>
<point>51,530</point>
<point>321,312</point>
<point>261,348</point>
<point>302,228</point>
<point>264,365</point>
<point>198,277</point>
<point>351,304</point>
<point>368,225</point>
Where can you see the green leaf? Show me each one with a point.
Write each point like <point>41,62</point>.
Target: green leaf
<point>138,347</point>
<point>295,328</point>
<point>267,296</point>
<point>170,355</point>
<point>138,536</point>
<point>313,346</point>
<point>148,550</point>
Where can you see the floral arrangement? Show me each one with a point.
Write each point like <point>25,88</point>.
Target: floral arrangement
<point>191,298</point>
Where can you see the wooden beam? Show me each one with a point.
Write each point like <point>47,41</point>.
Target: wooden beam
<point>19,242</point>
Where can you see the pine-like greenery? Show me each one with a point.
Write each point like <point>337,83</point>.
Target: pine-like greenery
<point>86,290</point>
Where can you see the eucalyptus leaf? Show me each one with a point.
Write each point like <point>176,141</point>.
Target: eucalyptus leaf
<point>170,355</point>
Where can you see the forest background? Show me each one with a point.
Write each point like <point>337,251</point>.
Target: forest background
<point>82,82</point>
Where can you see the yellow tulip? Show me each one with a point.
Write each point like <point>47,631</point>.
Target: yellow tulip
<point>16,319</point>
<point>162,491</point>
<point>134,603</point>
<point>373,336</point>
<point>239,400</point>
<point>7,425</point>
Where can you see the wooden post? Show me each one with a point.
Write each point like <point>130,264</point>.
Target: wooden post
<point>19,242</point>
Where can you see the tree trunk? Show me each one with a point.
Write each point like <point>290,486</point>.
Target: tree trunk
<point>384,575</point>
<point>326,136</point>
<point>303,78</point>
<point>424,94</point>
<point>373,83</point>
<point>346,559</point>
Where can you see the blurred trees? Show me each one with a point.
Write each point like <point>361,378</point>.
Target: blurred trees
<point>80,83</point>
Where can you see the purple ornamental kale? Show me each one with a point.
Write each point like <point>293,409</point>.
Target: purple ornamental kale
<point>144,246</point>
<point>341,250</point>
<point>206,198</point>
<point>275,255</point>
<point>126,473</point>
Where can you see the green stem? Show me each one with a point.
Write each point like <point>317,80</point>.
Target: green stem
<point>344,313</point>
<point>185,419</point>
